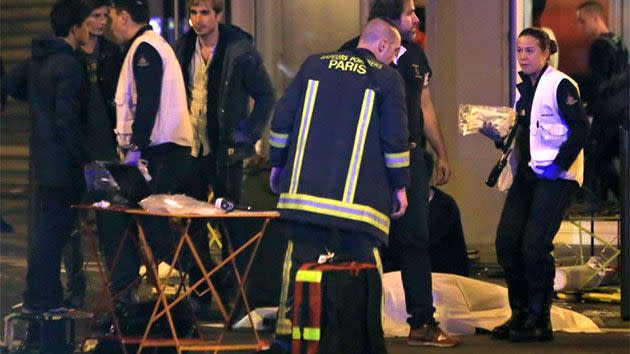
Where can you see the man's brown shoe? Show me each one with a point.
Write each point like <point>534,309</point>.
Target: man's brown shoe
<point>431,335</point>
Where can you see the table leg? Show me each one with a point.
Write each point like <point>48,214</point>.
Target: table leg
<point>241,281</point>
<point>191,288</point>
<point>151,267</point>
<point>213,290</point>
<point>106,278</point>
<point>185,344</point>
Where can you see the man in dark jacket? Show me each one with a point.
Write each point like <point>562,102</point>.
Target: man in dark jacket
<point>340,158</point>
<point>222,71</point>
<point>51,81</point>
<point>606,93</point>
<point>101,61</point>
<point>448,246</point>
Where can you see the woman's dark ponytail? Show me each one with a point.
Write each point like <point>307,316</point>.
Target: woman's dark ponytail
<point>553,47</point>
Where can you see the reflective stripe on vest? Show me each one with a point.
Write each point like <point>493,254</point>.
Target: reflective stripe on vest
<point>305,123</point>
<point>306,333</point>
<point>309,276</point>
<point>359,143</point>
<point>336,208</point>
<point>397,160</point>
<point>278,140</point>
<point>283,325</point>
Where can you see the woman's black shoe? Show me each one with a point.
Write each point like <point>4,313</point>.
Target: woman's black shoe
<point>534,330</point>
<point>503,331</point>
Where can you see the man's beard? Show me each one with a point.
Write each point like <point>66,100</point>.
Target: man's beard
<point>407,35</point>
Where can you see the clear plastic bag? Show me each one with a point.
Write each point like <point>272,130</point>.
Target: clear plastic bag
<point>471,118</point>
<point>178,204</point>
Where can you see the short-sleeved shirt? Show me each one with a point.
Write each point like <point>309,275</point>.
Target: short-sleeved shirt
<point>414,68</point>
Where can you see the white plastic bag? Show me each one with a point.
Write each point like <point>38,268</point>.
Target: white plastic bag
<point>472,117</point>
<point>506,178</point>
<point>178,204</point>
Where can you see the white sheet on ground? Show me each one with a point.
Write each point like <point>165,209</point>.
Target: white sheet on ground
<point>462,304</point>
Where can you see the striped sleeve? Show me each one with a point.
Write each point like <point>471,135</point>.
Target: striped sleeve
<point>284,118</point>
<point>278,140</point>
<point>394,133</point>
<point>397,160</point>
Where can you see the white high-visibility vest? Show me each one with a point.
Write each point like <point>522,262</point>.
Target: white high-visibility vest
<point>172,123</point>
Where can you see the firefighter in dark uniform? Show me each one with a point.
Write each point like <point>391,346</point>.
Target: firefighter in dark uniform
<point>408,249</point>
<point>340,157</point>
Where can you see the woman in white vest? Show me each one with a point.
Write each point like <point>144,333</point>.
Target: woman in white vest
<point>549,160</point>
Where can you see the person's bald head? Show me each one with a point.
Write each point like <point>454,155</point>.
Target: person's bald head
<point>382,38</point>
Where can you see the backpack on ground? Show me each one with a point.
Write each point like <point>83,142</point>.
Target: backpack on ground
<point>337,309</point>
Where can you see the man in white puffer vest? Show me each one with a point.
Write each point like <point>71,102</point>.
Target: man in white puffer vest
<point>151,112</point>
<point>152,120</point>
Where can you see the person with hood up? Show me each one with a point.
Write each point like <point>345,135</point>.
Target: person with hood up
<point>50,81</point>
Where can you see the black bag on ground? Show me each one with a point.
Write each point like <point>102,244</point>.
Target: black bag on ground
<point>337,309</point>
<point>133,319</point>
<point>48,336</point>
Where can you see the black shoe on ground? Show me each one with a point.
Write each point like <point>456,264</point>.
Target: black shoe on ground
<point>202,308</point>
<point>503,331</point>
<point>75,301</point>
<point>533,330</point>
<point>46,336</point>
